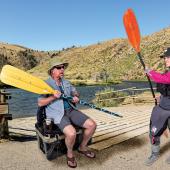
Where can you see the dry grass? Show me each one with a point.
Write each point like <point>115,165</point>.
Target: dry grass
<point>108,61</point>
<point>114,59</point>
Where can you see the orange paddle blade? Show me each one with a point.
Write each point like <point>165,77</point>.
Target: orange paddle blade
<point>132,29</point>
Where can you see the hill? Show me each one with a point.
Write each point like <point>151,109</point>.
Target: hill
<point>107,61</point>
<point>21,57</point>
<point>111,60</point>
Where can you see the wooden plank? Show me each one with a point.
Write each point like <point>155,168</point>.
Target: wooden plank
<point>126,116</point>
<point>105,117</point>
<point>121,131</point>
<point>125,121</point>
<point>114,130</point>
<point>3,108</point>
<point>119,127</point>
<point>118,139</point>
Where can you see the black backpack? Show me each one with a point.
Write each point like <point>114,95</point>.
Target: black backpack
<point>41,115</point>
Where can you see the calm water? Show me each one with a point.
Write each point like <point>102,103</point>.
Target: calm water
<point>24,104</point>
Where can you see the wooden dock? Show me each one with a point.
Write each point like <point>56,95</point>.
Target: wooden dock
<point>113,130</point>
<point>110,129</point>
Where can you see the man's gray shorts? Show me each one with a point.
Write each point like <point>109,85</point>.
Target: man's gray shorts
<point>72,117</point>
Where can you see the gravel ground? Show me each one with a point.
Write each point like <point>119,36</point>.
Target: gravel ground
<point>128,155</point>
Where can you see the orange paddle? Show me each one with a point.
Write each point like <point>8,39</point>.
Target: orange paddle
<point>133,33</point>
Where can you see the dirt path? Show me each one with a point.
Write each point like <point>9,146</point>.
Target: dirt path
<point>22,154</point>
<point>128,155</point>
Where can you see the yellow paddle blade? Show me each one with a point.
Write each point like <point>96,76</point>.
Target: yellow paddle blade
<point>20,79</point>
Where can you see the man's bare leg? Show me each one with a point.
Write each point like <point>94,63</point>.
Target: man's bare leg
<point>90,127</point>
<point>70,136</point>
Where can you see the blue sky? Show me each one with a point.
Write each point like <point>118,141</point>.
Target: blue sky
<point>57,24</point>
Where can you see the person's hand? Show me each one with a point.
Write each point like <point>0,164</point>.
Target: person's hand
<point>75,99</point>
<point>157,99</point>
<point>57,94</point>
<point>147,70</point>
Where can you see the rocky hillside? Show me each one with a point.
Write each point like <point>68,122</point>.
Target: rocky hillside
<point>111,60</point>
<point>22,57</point>
<point>105,61</point>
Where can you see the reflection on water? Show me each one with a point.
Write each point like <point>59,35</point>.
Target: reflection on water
<point>24,104</point>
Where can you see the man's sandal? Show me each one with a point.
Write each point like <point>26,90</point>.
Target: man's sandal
<point>71,162</point>
<point>88,153</point>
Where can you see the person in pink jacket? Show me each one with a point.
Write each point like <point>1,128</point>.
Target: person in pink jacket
<point>161,113</point>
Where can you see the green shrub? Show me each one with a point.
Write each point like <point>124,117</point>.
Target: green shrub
<point>109,97</point>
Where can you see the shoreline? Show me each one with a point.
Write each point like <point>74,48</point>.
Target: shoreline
<point>85,83</point>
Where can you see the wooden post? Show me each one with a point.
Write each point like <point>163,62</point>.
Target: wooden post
<point>4,114</point>
<point>4,132</point>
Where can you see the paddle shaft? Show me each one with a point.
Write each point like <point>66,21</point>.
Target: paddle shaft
<point>82,102</point>
<point>98,108</point>
<point>149,81</point>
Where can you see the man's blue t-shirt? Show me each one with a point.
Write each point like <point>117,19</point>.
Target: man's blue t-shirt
<point>66,104</point>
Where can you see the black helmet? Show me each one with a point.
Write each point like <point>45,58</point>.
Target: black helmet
<point>166,53</point>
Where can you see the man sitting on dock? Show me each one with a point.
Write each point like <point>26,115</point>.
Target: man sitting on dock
<point>64,114</point>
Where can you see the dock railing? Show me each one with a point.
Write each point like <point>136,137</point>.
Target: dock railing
<point>129,95</point>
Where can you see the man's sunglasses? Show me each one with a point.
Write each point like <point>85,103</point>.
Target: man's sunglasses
<point>59,67</point>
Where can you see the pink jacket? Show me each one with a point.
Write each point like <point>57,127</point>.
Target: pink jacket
<point>160,78</point>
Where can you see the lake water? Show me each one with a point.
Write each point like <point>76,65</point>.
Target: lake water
<point>24,104</point>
